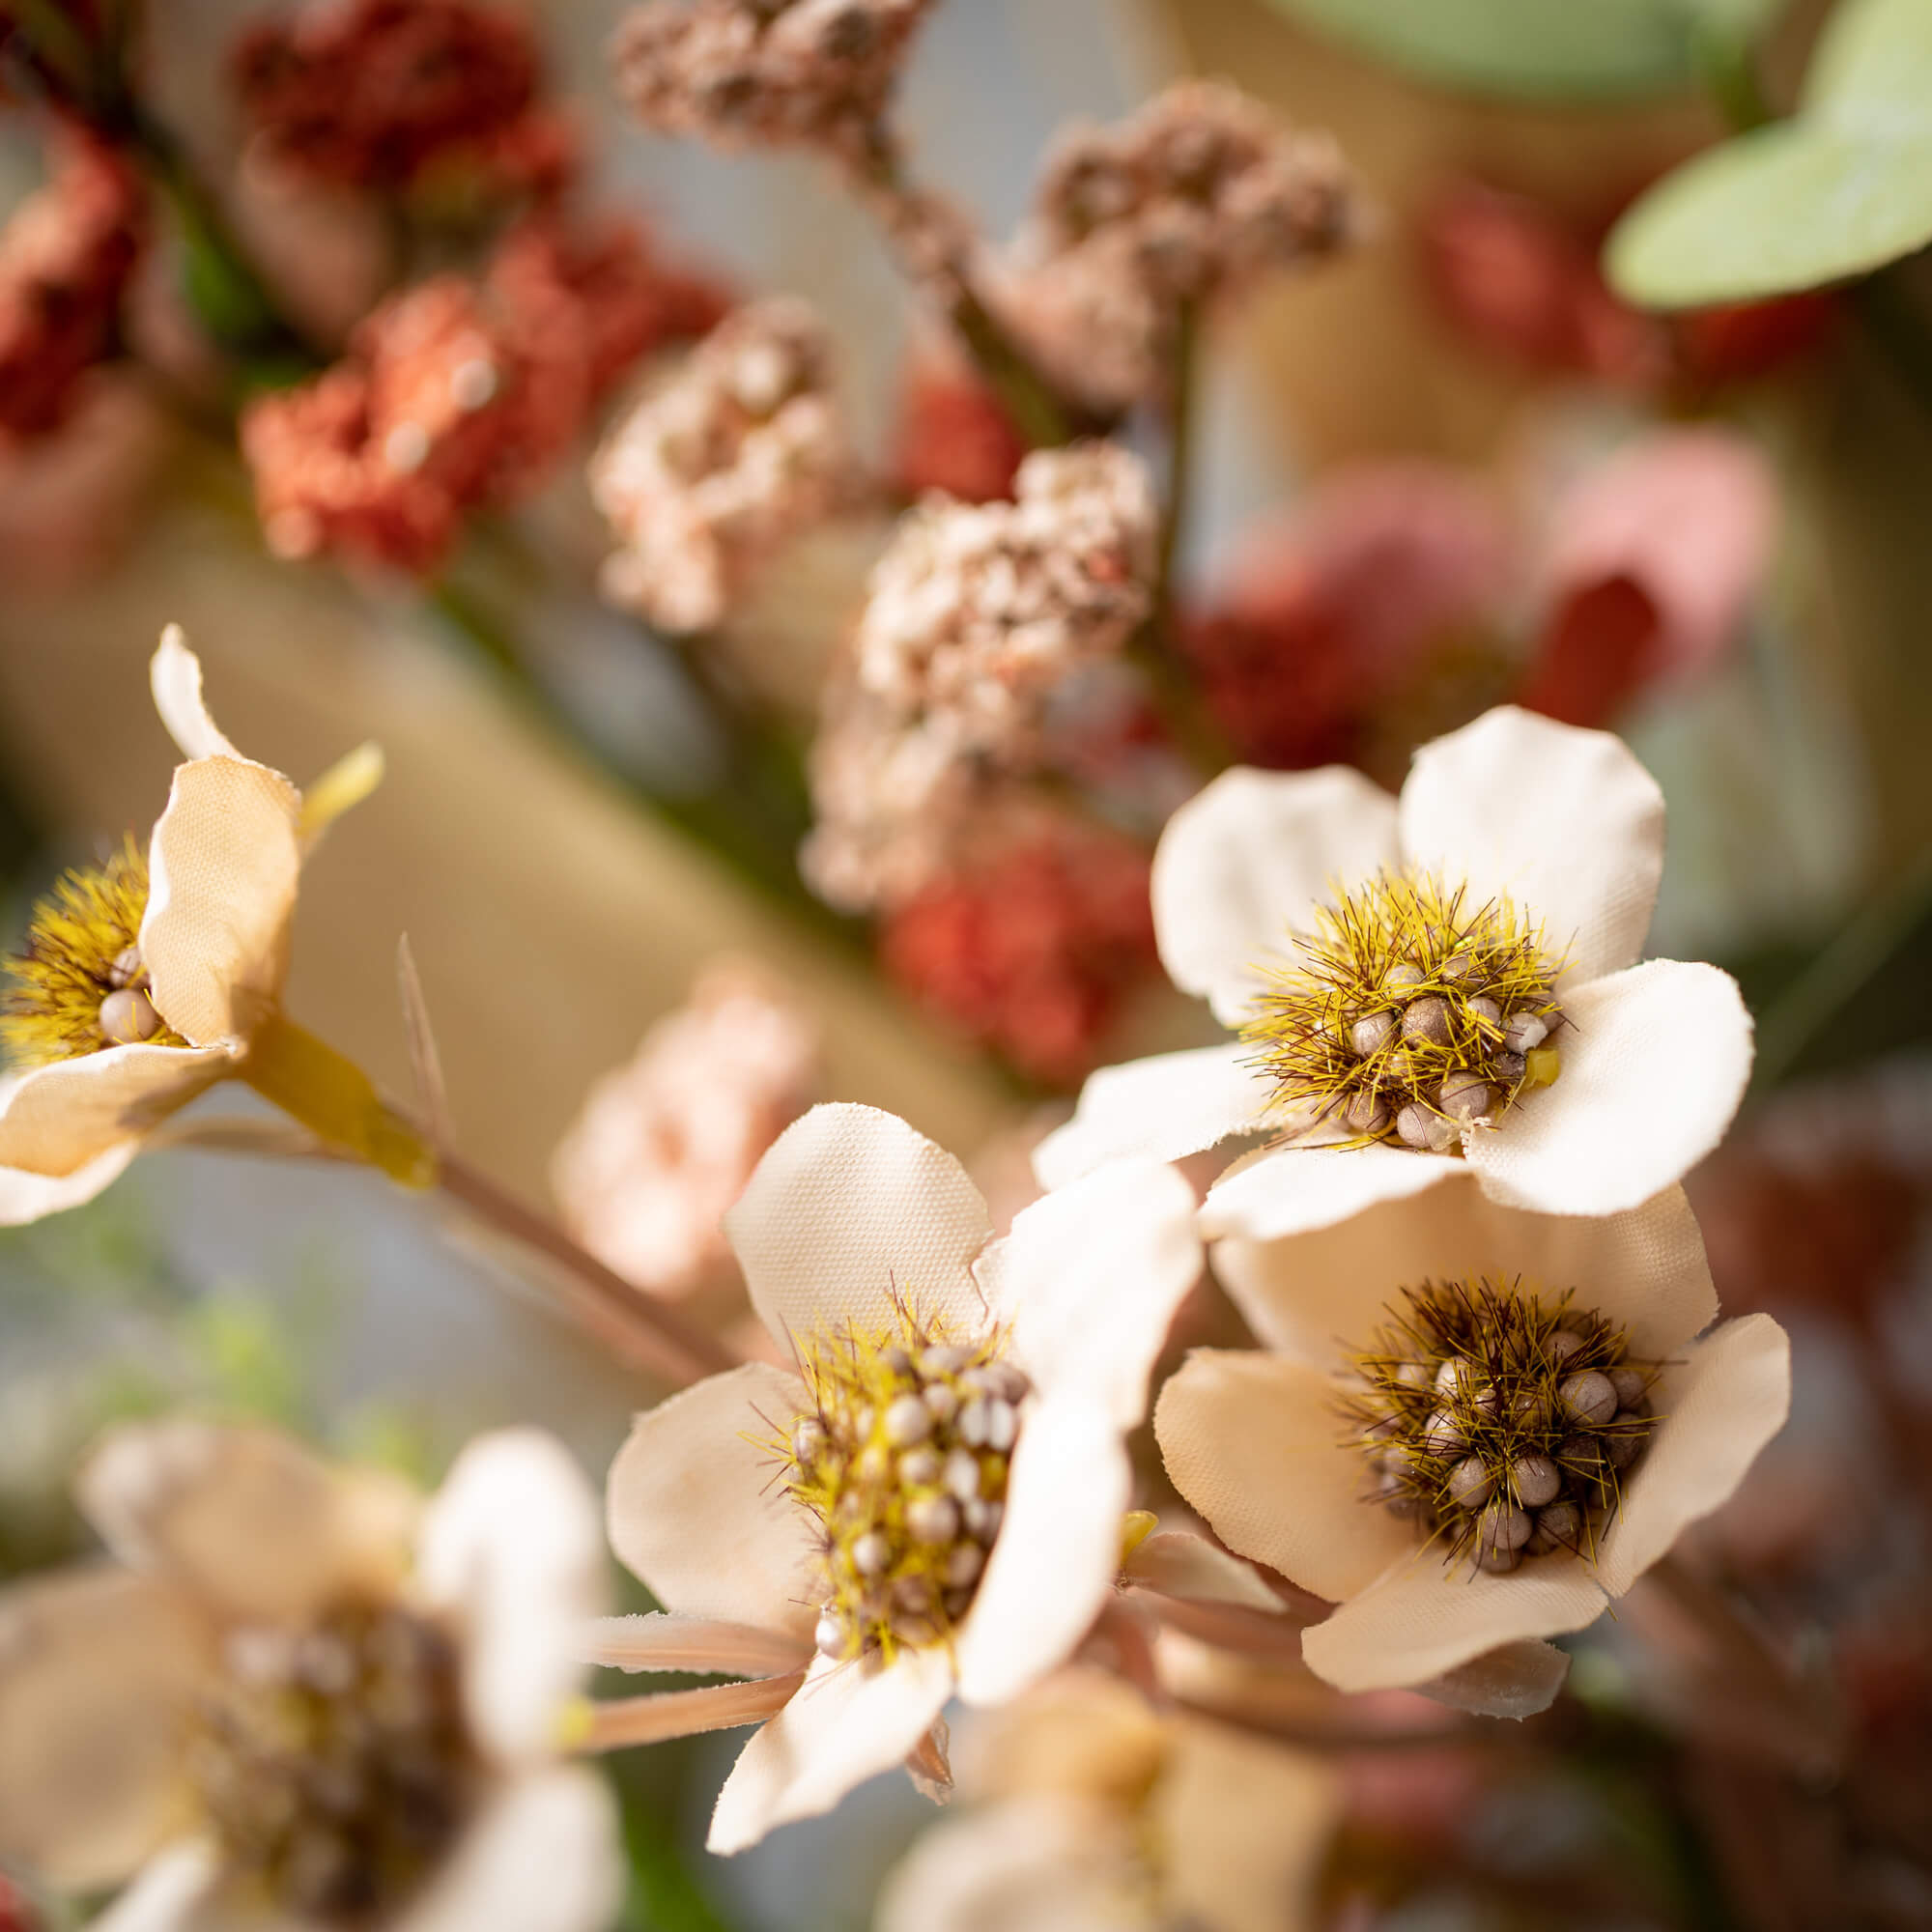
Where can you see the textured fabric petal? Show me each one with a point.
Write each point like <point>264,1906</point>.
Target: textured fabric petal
<point>696,1513</point>
<point>1719,1408</point>
<point>31,1197</point>
<point>174,676</point>
<point>1563,822</point>
<point>1517,1680</point>
<point>1154,1109</point>
<point>1178,1564</point>
<point>59,1120</point>
<point>1320,1295</point>
<point>1241,863</point>
<point>1652,1074</point>
<point>1090,1279</point>
<point>512,1546</point>
<point>223,868</point>
<point>1058,1551</point>
<point>543,1856</point>
<point>1426,1617</point>
<point>660,1640</point>
<point>1254,1442</point>
<point>98,1670</point>
<point>169,1896</point>
<point>1290,1190</point>
<point>849,1209</point>
<point>243,1520</point>
<point>846,1725</point>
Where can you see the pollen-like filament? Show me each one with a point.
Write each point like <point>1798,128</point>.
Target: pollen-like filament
<point>1409,1015</point>
<point>902,1461</point>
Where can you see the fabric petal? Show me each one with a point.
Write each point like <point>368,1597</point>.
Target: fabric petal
<point>851,1215</point>
<point>660,1640</point>
<point>223,869</point>
<point>512,1546</point>
<point>66,1119</point>
<point>1289,1191</point>
<point>846,1725</point>
<point>1090,1279</point>
<point>1719,1408</point>
<point>698,1513</point>
<point>1652,1073</point>
<point>1563,822</point>
<point>174,676</point>
<point>169,1896</point>
<point>1518,1680</point>
<point>1320,1295</point>
<point>1174,1563</point>
<point>1243,863</point>
<point>1154,1109</point>
<point>1254,1442</point>
<point>1055,1558</point>
<point>31,1197</point>
<point>98,1669</point>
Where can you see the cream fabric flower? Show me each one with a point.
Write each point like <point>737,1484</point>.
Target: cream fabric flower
<point>252,1577</point>
<point>984,1466</point>
<point>1561,825</point>
<point>223,868</point>
<point>1258,1442</point>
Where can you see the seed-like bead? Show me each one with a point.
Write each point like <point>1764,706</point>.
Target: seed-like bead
<point>1498,1561</point>
<point>897,1359</point>
<point>829,1635</point>
<point>914,1627</point>
<point>1503,1526</point>
<point>1588,1397</point>
<point>1426,1019</point>
<point>1410,1374</point>
<point>982,1519</point>
<point>942,1401</point>
<point>1562,1344</point>
<point>1558,1527</point>
<point>962,1474</point>
<point>1368,1035</point>
<point>920,1466</point>
<point>1509,1068</point>
<point>963,1563</point>
<point>1471,1483</point>
<point>1365,1114</point>
<point>1628,1384</point>
<point>1401,974</point>
<point>1534,1480</point>
<point>1522,1031</point>
<point>1002,1425</point>
<point>942,1358</point>
<point>872,1553</point>
<point>933,1519</point>
<point>1456,969</point>
<point>912,1593</point>
<point>1528,1410</point>
<point>808,1441</point>
<point>128,1017</point>
<point>1422,1128</point>
<point>1441,1435</point>
<point>127,967</point>
<point>1621,1447</point>
<point>1457,1375</point>
<point>974,1419</point>
<point>1007,1381</point>
<point>1483,1009</point>
<point>959,1602</point>
<point>908,1421</point>
<point>1466,1097</point>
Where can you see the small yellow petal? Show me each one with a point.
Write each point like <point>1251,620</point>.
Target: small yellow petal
<point>1136,1526</point>
<point>344,785</point>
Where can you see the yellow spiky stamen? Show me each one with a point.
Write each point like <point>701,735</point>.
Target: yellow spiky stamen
<point>1409,1015</point>
<point>78,984</point>
<point>1499,1420</point>
<point>902,1461</point>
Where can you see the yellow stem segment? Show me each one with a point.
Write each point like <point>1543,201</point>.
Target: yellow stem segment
<point>335,1100</point>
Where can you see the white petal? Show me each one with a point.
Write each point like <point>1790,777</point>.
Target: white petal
<point>513,1547</point>
<point>1176,1563</point>
<point>1242,864</point>
<point>1057,1554</point>
<point>31,1197</point>
<point>1288,1190</point>
<point>1517,1680</point>
<point>174,676</point>
<point>851,1214</point>
<point>543,1856</point>
<point>1652,1073</point>
<point>659,1640</point>
<point>1254,1442</point>
<point>700,1514</point>
<point>1425,1618</point>
<point>1090,1279</point>
<point>169,1894</point>
<point>846,1725</point>
<point>71,1118</point>
<point>1563,822</point>
<point>1719,1408</point>
<point>1320,1295</point>
<point>1154,1109</point>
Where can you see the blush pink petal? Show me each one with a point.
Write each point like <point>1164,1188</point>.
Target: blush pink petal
<point>1290,1190</point>
<point>843,1725</point>
<point>1653,1070</point>
<point>172,1894</point>
<point>1241,865</point>
<point>173,677</point>
<point>1254,1442</point>
<point>1054,1561</point>
<point>1563,822</point>
<point>700,1515</point>
<point>850,1209</point>
<point>60,1120</point>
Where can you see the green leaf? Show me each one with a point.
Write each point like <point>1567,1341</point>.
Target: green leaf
<point>1842,188</point>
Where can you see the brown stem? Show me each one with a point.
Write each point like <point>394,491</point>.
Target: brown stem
<point>1316,1735</point>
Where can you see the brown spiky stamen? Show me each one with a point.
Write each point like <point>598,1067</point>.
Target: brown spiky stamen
<point>333,1762</point>
<point>902,1458</point>
<point>1411,1016</point>
<point>1499,1421</point>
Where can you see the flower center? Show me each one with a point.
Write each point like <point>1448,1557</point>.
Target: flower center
<point>79,983</point>
<point>902,1458</point>
<point>1501,1422</point>
<point>333,1762</point>
<point>1411,1016</point>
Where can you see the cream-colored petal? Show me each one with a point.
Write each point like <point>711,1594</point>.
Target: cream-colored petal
<point>852,1213</point>
<point>542,1856</point>
<point>1720,1407</point>
<point>1517,1680</point>
<point>700,1515</point>
<point>1652,1074</point>
<point>223,869</point>
<point>98,1669</point>
<point>1090,1279</point>
<point>1424,1618</point>
<point>1563,822</point>
<point>513,1548</point>
<point>1159,1108</point>
<point>1291,1189</point>
<point>243,1520</point>
<point>1254,1442</point>
<point>1083,1730</point>
<point>846,1725</point>
<point>1242,864</point>
<point>659,1640</point>
<point>1322,1295</point>
<point>31,1197</point>
<point>174,676</point>
<point>1057,1554</point>
<point>1174,1563</point>
<point>170,1894</point>
<point>67,1119</point>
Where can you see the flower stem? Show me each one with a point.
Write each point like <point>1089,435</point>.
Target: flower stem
<point>332,1096</point>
